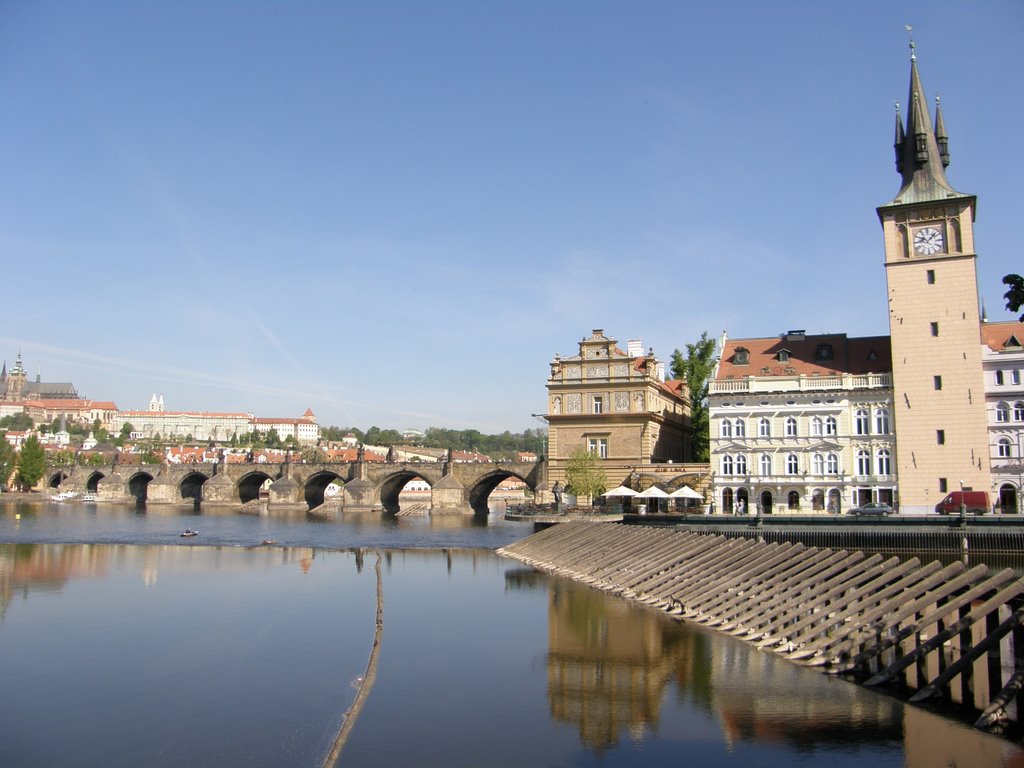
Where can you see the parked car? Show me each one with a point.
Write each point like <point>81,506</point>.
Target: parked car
<point>872,508</point>
<point>974,502</point>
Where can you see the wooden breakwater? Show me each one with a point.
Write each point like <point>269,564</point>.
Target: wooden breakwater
<point>926,630</point>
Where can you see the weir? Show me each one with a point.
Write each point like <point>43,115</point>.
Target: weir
<point>926,631</point>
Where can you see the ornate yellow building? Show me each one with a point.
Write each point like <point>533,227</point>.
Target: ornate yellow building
<point>618,405</point>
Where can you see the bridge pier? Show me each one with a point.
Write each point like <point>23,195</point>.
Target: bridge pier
<point>448,497</point>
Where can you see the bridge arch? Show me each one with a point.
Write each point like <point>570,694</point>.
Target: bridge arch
<point>191,486</point>
<point>249,485</point>
<point>316,484</point>
<point>93,483</point>
<point>481,490</point>
<point>393,485</point>
<point>138,486</point>
<point>56,479</point>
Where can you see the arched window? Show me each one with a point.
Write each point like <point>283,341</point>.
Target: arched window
<point>726,428</point>
<point>860,421</point>
<point>818,462</point>
<point>741,464</point>
<point>792,464</point>
<point>818,500</point>
<point>766,464</point>
<point>882,421</point>
<point>1003,448</point>
<point>727,464</point>
<point>741,428</point>
<point>831,426</point>
<point>790,426</point>
<point>1002,412</point>
<point>884,462</point>
<point>833,464</point>
<point>863,462</point>
<point>1018,411</point>
<point>793,500</point>
<point>817,426</point>
<point>727,500</point>
<point>764,427</point>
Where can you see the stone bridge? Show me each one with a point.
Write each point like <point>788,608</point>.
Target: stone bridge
<point>454,487</point>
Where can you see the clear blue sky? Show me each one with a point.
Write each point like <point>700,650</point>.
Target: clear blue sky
<point>397,213</point>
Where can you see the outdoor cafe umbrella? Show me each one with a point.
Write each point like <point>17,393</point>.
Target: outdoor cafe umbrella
<point>622,490</point>
<point>685,493</point>
<point>654,492</point>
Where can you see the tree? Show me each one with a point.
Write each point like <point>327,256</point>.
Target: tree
<point>696,367</point>
<point>8,460</point>
<point>17,421</point>
<point>584,475</point>
<point>126,430</point>
<point>31,463</point>
<point>1015,296</point>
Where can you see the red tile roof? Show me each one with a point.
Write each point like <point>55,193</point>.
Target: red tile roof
<point>865,354</point>
<point>996,335</point>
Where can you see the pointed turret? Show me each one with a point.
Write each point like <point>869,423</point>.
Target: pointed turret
<point>940,133</point>
<point>922,153</point>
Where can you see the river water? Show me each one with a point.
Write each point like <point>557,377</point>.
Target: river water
<point>123,644</point>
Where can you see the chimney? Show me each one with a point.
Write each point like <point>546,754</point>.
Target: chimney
<point>635,348</point>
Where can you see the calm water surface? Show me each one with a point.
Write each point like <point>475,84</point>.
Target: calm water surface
<point>150,650</point>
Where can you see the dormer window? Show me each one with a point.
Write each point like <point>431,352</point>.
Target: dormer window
<point>1012,342</point>
<point>823,352</point>
<point>782,356</point>
<point>741,356</point>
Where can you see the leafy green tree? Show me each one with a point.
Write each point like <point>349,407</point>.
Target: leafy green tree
<point>696,367</point>
<point>1015,296</point>
<point>126,430</point>
<point>584,475</point>
<point>96,460</point>
<point>312,455</point>
<point>273,439</point>
<point>16,421</point>
<point>8,460</point>
<point>31,463</point>
<point>149,457</point>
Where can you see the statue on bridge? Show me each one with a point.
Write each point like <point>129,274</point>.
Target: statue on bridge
<point>556,489</point>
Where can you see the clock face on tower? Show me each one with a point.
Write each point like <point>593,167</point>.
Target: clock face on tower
<point>927,240</point>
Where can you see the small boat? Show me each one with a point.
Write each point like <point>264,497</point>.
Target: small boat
<point>89,497</point>
<point>65,496</point>
<point>190,532</point>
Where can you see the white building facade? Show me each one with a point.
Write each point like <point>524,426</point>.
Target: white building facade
<point>1003,363</point>
<point>802,423</point>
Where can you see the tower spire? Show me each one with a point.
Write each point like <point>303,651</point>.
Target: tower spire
<point>922,153</point>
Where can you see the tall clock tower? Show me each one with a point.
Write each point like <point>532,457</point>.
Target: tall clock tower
<point>934,322</point>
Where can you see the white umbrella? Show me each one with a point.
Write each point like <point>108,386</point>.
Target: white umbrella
<point>620,491</point>
<point>685,493</point>
<point>654,492</point>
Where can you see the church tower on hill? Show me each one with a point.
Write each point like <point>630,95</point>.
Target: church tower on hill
<point>934,322</point>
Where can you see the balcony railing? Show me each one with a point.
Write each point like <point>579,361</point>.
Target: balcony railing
<point>754,384</point>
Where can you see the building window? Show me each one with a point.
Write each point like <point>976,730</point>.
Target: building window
<point>1002,412</point>
<point>882,421</point>
<point>938,381</point>
<point>764,427</point>
<point>935,329</point>
<point>741,356</point>
<point>727,465</point>
<point>726,430</point>
<point>884,462</point>
<point>1015,377</point>
<point>792,464</point>
<point>790,426</point>
<point>598,404</point>
<point>999,378</point>
<point>833,464</point>
<point>818,463</point>
<point>863,462</point>
<point>817,426</point>
<point>943,485</point>
<point>766,464</point>
<point>831,426</point>
<point>1018,411</point>
<point>741,464</point>
<point>1003,448</point>
<point>599,445</point>
<point>940,436</point>
<point>861,421</point>
<point>741,428</point>
<point>793,500</point>
<point>931,277</point>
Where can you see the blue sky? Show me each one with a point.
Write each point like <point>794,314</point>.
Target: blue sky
<point>397,213</point>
